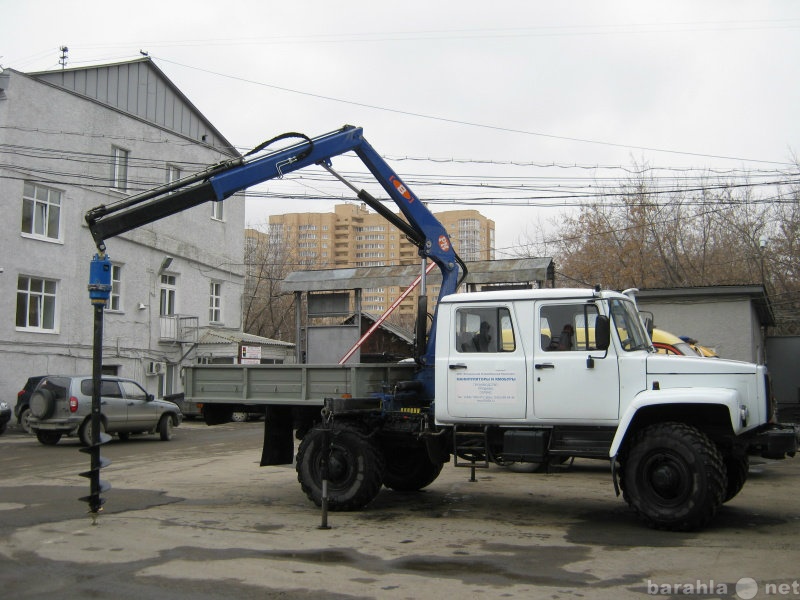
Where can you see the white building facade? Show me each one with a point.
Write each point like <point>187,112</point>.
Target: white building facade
<point>72,140</point>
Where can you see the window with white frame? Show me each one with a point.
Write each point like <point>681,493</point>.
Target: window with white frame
<point>217,212</point>
<point>41,211</point>
<point>119,168</point>
<point>173,174</point>
<point>168,291</point>
<point>36,303</point>
<point>215,303</point>
<point>115,301</point>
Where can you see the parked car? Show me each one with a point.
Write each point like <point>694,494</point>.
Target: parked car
<point>22,410</point>
<point>668,343</point>
<point>5,415</point>
<point>701,350</point>
<point>62,405</point>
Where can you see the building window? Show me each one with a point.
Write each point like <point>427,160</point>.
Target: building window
<point>115,302</point>
<point>215,303</point>
<point>173,175</point>
<point>119,168</point>
<point>217,211</point>
<point>168,291</point>
<point>36,304</point>
<point>41,211</point>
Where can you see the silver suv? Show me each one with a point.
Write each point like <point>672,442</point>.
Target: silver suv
<point>62,405</point>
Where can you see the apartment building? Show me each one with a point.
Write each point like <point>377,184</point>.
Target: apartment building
<point>354,236</point>
<point>73,139</point>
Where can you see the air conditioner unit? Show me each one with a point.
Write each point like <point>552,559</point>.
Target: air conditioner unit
<point>156,368</point>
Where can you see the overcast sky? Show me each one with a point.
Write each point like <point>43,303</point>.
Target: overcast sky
<point>451,92</point>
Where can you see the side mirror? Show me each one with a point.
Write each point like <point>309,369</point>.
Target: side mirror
<point>648,320</point>
<point>150,397</point>
<point>602,332</point>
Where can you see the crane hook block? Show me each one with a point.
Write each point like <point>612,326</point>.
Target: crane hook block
<point>100,279</point>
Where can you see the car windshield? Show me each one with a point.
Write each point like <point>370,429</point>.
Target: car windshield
<point>630,330</point>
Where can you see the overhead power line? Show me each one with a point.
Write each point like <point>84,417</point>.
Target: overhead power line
<point>467,123</point>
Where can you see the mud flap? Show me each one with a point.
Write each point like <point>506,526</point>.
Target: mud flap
<point>278,441</point>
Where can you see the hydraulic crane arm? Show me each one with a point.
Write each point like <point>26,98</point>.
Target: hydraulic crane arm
<point>225,179</point>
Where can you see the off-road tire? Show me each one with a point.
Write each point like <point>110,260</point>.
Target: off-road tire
<point>355,468</point>
<point>737,468</point>
<point>165,428</point>
<point>42,403</point>
<point>409,469</point>
<point>673,477</point>
<point>48,438</point>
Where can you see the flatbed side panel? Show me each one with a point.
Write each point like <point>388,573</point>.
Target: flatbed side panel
<point>288,384</point>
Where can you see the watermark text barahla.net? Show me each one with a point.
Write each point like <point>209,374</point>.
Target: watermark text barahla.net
<point>746,588</point>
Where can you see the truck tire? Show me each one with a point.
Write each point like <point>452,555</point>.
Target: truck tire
<point>409,469</point>
<point>85,431</point>
<point>42,403</point>
<point>673,477</point>
<point>355,468</point>
<point>737,468</point>
<point>48,438</point>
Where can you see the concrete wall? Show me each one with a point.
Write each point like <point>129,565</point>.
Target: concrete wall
<point>729,326</point>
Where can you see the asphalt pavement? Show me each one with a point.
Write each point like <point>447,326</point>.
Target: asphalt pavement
<point>196,517</point>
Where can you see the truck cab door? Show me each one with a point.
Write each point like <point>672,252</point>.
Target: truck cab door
<point>565,385</point>
<point>486,373</point>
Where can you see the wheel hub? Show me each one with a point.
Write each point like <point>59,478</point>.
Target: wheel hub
<point>337,466</point>
<point>666,480</point>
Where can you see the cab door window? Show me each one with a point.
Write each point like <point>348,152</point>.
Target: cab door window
<point>482,329</point>
<point>567,327</point>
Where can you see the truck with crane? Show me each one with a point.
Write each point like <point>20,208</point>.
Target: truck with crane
<point>500,376</point>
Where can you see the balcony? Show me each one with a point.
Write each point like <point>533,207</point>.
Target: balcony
<point>178,328</point>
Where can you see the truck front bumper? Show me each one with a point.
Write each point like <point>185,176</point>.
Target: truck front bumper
<point>779,441</point>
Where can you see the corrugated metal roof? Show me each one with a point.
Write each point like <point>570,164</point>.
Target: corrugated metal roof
<point>513,270</point>
<point>140,88</point>
<point>219,336</point>
<point>400,332</point>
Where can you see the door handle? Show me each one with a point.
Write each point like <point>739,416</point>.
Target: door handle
<point>458,366</point>
<point>544,366</point>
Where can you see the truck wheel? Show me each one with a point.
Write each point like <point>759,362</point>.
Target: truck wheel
<point>165,428</point>
<point>737,468</point>
<point>42,403</point>
<point>48,438</point>
<point>355,468</point>
<point>409,469</point>
<point>85,431</point>
<point>673,477</point>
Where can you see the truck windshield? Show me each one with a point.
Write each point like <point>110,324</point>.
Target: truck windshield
<point>625,317</point>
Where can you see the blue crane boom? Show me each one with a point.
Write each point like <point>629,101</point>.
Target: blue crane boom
<point>221,181</point>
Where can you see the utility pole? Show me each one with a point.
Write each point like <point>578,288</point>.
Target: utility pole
<point>63,59</point>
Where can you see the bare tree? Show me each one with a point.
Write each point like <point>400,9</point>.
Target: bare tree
<point>267,312</point>
<point>717,234</point>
